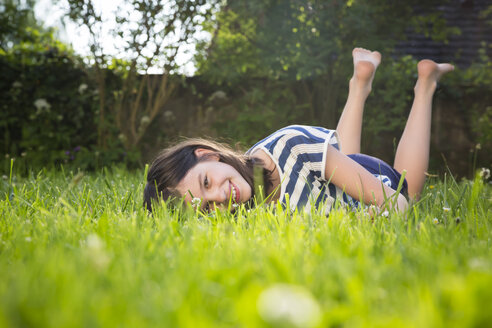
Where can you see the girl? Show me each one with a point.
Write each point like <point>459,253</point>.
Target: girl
<point>307,166</point>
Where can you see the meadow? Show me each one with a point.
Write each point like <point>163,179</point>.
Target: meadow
<point>78,250</point>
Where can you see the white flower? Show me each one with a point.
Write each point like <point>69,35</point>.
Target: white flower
<point>435,221</point>
<point>285,305</point>
<point>385,214</point>
<point>235,205</point>
<point>446,209</point>
<point>145,120</point>
<point>96,253</point>
<point>477,263</point>
<point>94,243</point>
<point>485,173</point>
<point>196,202</point>
<point>16,84</point>
<point>42,104</point>
<point>168,115</point>
<point>218,95</point>
<point>122,137</point>
<point>82,88</point>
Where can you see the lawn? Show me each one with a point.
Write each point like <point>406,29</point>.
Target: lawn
<point>78,250</point>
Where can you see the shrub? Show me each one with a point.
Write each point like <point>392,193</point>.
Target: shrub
<point>47,102</point>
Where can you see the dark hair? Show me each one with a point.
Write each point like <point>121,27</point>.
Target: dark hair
<point>171,165</point>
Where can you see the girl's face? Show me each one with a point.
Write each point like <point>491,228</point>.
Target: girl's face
<point>215,183</point>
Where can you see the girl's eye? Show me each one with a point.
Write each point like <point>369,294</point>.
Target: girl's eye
<point>205,182</point>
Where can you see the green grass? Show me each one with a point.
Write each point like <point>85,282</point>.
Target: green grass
<point>79,251</point>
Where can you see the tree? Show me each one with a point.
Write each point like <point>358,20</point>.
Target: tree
<point>306,43</point>
<point>148,33</point>
<point>301,39</point>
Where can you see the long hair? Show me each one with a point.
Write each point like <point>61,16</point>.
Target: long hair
<point>173,163</point>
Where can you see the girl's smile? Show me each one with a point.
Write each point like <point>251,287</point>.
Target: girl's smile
<point>215,183</point>
<point>235,193</point>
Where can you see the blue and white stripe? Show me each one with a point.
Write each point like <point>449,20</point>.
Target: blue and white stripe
<point>299,152</point>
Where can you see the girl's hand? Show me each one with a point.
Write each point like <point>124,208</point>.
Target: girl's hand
<point>402,203</point>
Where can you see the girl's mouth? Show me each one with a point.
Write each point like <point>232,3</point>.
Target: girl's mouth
<point>235,193</point>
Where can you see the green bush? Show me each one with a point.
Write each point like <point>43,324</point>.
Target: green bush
<point>47,114</point>
<point>49,103</point>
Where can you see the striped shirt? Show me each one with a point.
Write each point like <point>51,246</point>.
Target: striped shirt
<point>299,153</point>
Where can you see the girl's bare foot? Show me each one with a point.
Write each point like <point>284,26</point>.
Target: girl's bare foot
<point>429,73</point>
<point>365,64</point>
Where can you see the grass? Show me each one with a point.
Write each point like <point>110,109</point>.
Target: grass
<point>79,251</point>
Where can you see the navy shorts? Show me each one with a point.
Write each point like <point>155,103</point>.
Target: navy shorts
<point>380,168</point>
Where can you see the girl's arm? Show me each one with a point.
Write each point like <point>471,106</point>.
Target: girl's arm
<point>357,182</point>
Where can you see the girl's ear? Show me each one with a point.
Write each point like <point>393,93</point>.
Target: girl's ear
<point>200,152</point>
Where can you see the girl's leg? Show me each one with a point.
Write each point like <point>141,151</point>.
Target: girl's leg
<point>412,153</point>
<point>350,124</point>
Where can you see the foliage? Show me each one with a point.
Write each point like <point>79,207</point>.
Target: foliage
<point>48,98</point>
<point>149,33</point>
<point>305,39</point>
<point>79,250</point>
<point>95,112</point>
<point>16,20</point>
<point>469,90</point>
<point>47,108</point>
<point>479,76</point>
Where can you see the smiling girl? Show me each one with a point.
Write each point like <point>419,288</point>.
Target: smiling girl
<point>307,166</point>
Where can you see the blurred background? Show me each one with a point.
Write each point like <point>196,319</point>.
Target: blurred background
<point>89,84</point>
